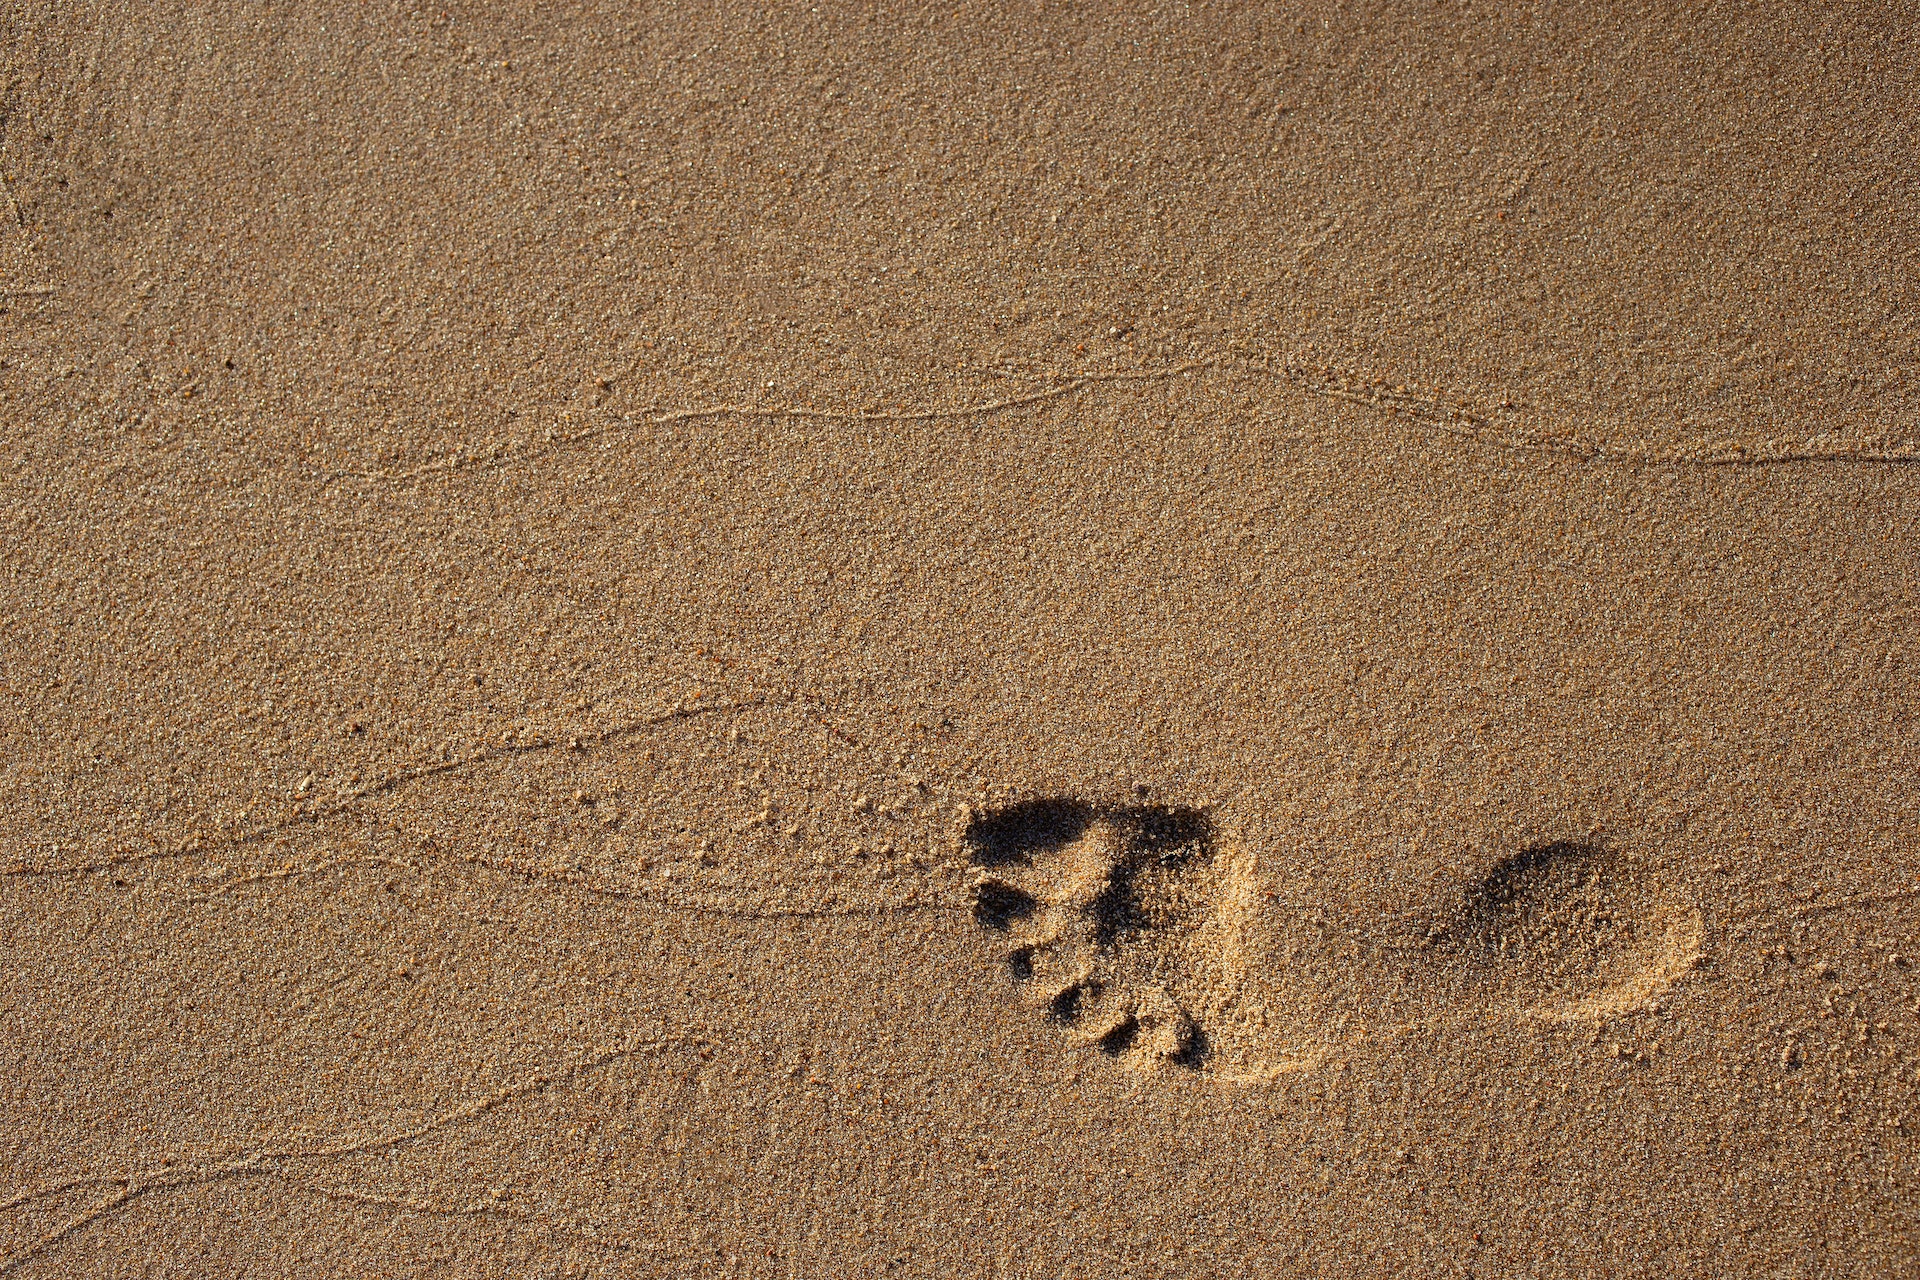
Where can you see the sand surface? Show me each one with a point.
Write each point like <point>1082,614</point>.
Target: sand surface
<point>971,641</point>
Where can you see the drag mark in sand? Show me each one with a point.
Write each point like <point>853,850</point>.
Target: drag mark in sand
<point>597,1237</point>
<point>280,1157</point>
<point>1438,410</point>
<point>419,851</point>
<point>599,887</point>
<point>498,455</point>
<point>585,885</point>
<point>198,846</point>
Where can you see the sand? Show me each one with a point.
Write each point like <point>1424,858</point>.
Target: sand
<point>984,641</point>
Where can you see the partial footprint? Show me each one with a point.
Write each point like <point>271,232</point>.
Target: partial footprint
<point>1557,932</point>
<point>1561,932</point>
<point>1099,905</point>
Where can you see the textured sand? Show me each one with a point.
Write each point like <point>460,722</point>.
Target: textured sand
<point>972,642</point>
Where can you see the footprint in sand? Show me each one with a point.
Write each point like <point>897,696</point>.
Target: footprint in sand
<point>1134,930</point>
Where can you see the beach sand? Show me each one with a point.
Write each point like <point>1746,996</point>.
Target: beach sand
<point>982,641</point>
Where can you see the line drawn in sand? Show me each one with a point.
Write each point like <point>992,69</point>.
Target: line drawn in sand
<point>1148,940</point>
<point>284,1157</point>
<point>376,824</point>
<point>1505,427</point>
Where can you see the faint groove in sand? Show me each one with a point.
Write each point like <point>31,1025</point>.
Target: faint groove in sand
<point>1749,913</point>
<point>593,1234</point>
<point>272,1159</point>
<point>1434,410</point>
<point>1452,415</point>
<point>1858,900</point>
<point>587,885</point>
<point>501,455</point>
<point>196,844</point>
<point>578,881</point>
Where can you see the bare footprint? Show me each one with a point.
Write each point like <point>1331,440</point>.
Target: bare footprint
<point>1133,929</point>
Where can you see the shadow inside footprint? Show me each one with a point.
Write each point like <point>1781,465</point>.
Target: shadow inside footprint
<point>1018,832</point>
<point>1526,900</point>
<point>1519,885</point>
<point>997,904</point>
<point>1141,888</point>
<point>1120,1038</point>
